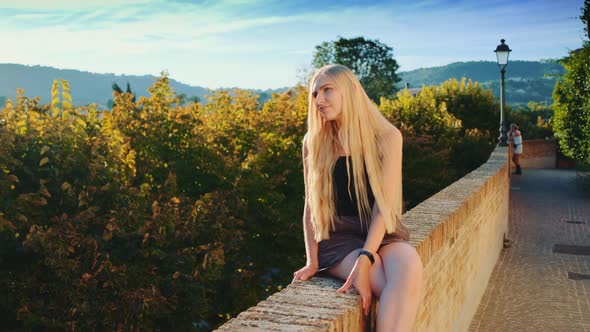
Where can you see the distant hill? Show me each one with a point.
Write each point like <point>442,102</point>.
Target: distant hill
<point>86,87</point>
<point>525,80</point>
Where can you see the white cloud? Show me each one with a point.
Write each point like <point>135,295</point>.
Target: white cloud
<point>66,4</point>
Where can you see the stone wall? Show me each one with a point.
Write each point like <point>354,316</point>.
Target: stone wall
<point>458,233</point>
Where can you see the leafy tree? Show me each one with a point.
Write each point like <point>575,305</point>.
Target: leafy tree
<point>117,89</point>
<point>421,115</point>
<point>182,99</point>
<point>572,106</point>
<point>447,110</point>
<point>471,103</point>
<point>371,60</point>
<point>585,17</point>
<point>432,123</point>
<point>535,120</point>
<point>572,102</point>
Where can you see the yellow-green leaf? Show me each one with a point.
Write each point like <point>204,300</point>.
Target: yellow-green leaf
<point>81,122</point>
<point>44,149</point>
<point>43,161</point>
<point>43,190</point>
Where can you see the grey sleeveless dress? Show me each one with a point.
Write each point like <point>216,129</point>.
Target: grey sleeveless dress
<point>349,234</point>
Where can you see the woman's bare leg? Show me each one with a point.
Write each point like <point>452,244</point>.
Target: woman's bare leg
<point>401,296</point>
<point>376,272</point>
<point>516,159</point>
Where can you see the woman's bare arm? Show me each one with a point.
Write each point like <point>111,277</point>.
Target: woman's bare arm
<point>392,166</point>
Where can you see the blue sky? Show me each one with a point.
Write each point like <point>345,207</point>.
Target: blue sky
<point>267,43</point>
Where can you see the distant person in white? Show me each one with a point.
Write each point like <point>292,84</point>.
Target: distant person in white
<point>516,138</point>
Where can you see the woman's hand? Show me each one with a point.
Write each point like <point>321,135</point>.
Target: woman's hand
<point>305,272</point>
<point>359,277</point>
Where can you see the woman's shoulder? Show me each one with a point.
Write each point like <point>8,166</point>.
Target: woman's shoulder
<point>390,134</point>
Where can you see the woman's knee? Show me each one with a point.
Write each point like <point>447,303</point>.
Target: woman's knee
<point>401,260</point>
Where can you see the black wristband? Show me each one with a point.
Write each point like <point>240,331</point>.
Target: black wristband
<point>368,254</point>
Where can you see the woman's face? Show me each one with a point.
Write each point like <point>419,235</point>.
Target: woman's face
<point>327,99</point>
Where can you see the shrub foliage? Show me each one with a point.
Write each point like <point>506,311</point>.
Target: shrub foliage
<point>164,215</point>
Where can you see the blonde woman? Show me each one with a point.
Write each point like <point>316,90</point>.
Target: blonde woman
<point>352,151</point>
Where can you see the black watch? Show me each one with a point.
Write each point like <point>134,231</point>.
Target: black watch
<point>368,254</point>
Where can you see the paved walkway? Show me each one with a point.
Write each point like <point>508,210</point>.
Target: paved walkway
<point>532,287</point>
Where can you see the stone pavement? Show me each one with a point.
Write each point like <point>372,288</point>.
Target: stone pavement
<point>532,287</point>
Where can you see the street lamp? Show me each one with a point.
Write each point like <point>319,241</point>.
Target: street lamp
<point>502,52</point>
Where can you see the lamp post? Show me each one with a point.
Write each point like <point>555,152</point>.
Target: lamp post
<point>502,52</point>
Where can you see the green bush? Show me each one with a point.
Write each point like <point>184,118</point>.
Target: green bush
<point>447,133</point>
<point>572,106</point>
<point>534,120</point>
<point>167,215</point>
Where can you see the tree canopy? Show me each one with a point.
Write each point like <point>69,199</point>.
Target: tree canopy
<point>572,102</point>
<point>371,60</point>
<point>572,106</point>
<point>585,17</point>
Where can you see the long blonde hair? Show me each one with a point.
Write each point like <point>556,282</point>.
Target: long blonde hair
<point>362,128</point>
